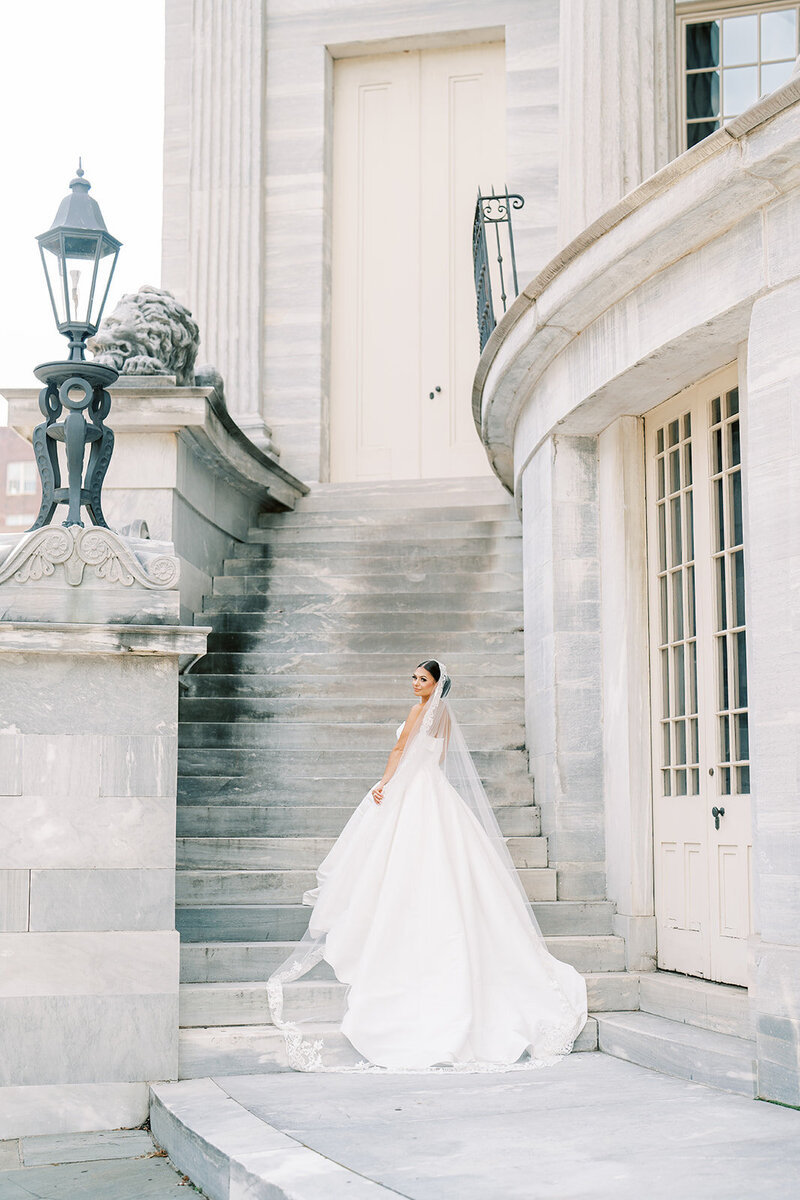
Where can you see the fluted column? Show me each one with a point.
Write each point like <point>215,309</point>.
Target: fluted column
<point>213,178</point>
<point>617,103</point>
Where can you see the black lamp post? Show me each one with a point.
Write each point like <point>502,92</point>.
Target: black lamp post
<point>79,256</point>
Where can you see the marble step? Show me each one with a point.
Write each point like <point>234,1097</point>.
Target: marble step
<point>261,788</point>
<point>229,961</point>
<point>271,923</point>
<point>369,517</point>
<point>674,1048</point>
<point>280,820</point>
<point>403,494</point>
<point>372,641</point>
<point>320,572</point>
<point>432,582</point>
<point>389,688</point>
<point>716,1006</point>
<point>338,625</point>
<point>375,604</point>
<point>260,1049</point>
<point>210,887</point>
<point>303,735</point>
<point>394,527</point>
<point>344,663</point>
<point>328,551</point>
<point>277,768</point>
<point>347,711</point>
<point>245,1003</point>
<point>303,853</point>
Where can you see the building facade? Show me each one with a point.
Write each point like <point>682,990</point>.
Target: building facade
<point>638,398</point>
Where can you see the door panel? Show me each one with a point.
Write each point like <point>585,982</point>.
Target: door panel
<point>698,682</point>
<point>415,134</point>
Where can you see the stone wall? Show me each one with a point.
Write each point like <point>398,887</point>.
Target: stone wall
<point>88,749</point>
<point>249,107</point>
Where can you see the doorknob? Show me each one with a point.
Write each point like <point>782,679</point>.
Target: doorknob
<point>716,814</point>
<point>431,394</point>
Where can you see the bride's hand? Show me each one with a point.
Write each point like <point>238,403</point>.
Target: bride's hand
<point>377,793</point>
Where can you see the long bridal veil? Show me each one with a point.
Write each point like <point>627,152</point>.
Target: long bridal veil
<point>301,1008</point>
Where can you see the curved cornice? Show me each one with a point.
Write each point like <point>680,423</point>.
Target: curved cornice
<point>690,202</point>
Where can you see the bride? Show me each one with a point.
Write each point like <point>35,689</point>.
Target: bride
<point>420,911</point>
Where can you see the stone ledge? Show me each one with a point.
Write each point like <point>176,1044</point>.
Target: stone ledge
<point>31,637</point>
<point>694,200</point>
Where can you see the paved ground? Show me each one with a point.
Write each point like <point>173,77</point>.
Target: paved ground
<point>96,1166</point>
<point>591,1128</point>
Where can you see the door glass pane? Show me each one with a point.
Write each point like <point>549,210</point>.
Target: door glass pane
<point>778,36</point>
<point>741,670</point>
<point>664,609</point>
<point>736,507</point>
<point>739,40</point>
<point>691,656</point>
<point>662,537</point>
<point>741,90</point>
<point>719,565</point>
<point>674,471</point>
<point>722,669</point>
<point>673,433</point>
<point>732,402</point>
<point>738,588</point>
<point>679,680</point>
<point>774,75</point>
<point>719,507</point>
<point>734,451</point>
<point>692,629</point>
<point>675,531</point>
<point>680,742</point>
<point>689,525</point>
<point>660,476</point>
<point>677,605</point>
<point>702,45</point>
<point>716,451</point>
<point>742,740</point>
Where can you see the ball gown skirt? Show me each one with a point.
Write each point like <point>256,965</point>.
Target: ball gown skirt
<point>423,921</point>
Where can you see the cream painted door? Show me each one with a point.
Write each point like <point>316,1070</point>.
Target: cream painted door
<point>701,774</point>
<point>415,134</point>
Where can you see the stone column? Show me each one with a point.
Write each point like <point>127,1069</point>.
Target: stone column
<point>626,700</point>
<point>562,659</point>
<point>213,178</point>
<point>771,432</point>
<point>90,650</point>
<point>617,90</point>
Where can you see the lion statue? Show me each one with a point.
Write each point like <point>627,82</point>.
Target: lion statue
<point>148,333</point>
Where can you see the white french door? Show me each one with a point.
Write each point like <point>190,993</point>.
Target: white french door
<point>701,774</point>
<point>415,134</point>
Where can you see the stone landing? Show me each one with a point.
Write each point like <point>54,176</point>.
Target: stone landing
<point>590,1126</point>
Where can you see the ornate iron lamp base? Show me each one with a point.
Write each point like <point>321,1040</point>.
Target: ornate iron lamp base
<point>80,388</point>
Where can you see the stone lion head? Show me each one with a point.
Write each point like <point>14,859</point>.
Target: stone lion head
<point>148,333</point>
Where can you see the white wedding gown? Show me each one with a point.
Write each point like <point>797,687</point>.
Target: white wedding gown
<point>417,912</point>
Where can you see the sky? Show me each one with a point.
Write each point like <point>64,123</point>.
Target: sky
<point>77,78</point>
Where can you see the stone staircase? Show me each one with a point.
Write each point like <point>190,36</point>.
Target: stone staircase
<point>287,721</point>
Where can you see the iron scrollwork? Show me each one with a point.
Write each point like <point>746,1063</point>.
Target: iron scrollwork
<point>492,268</point>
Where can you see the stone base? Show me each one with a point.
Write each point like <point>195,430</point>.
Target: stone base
<point>71,1108</point>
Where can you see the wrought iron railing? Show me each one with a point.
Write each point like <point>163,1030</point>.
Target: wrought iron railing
<point>493,257</point>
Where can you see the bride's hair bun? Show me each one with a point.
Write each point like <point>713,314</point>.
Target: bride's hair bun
<point>433,668</point>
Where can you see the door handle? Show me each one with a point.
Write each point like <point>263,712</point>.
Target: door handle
<point>431,394</point>
<point>716,814</point>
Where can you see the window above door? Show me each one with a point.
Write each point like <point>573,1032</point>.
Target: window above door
<point>729,55</point>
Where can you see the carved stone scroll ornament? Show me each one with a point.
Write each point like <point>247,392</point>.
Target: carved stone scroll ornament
<point>75,548</point>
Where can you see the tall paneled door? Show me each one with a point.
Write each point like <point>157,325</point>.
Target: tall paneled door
<point>415,134</point>
<point>698,636</point>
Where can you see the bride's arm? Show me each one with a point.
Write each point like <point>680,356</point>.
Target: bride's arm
<point>397,752</point>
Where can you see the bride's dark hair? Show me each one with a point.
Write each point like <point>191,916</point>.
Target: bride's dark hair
<point>432,667</point>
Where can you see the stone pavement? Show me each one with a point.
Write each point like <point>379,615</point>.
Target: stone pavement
<point>591,1128</point>
<point>118,1165</point>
